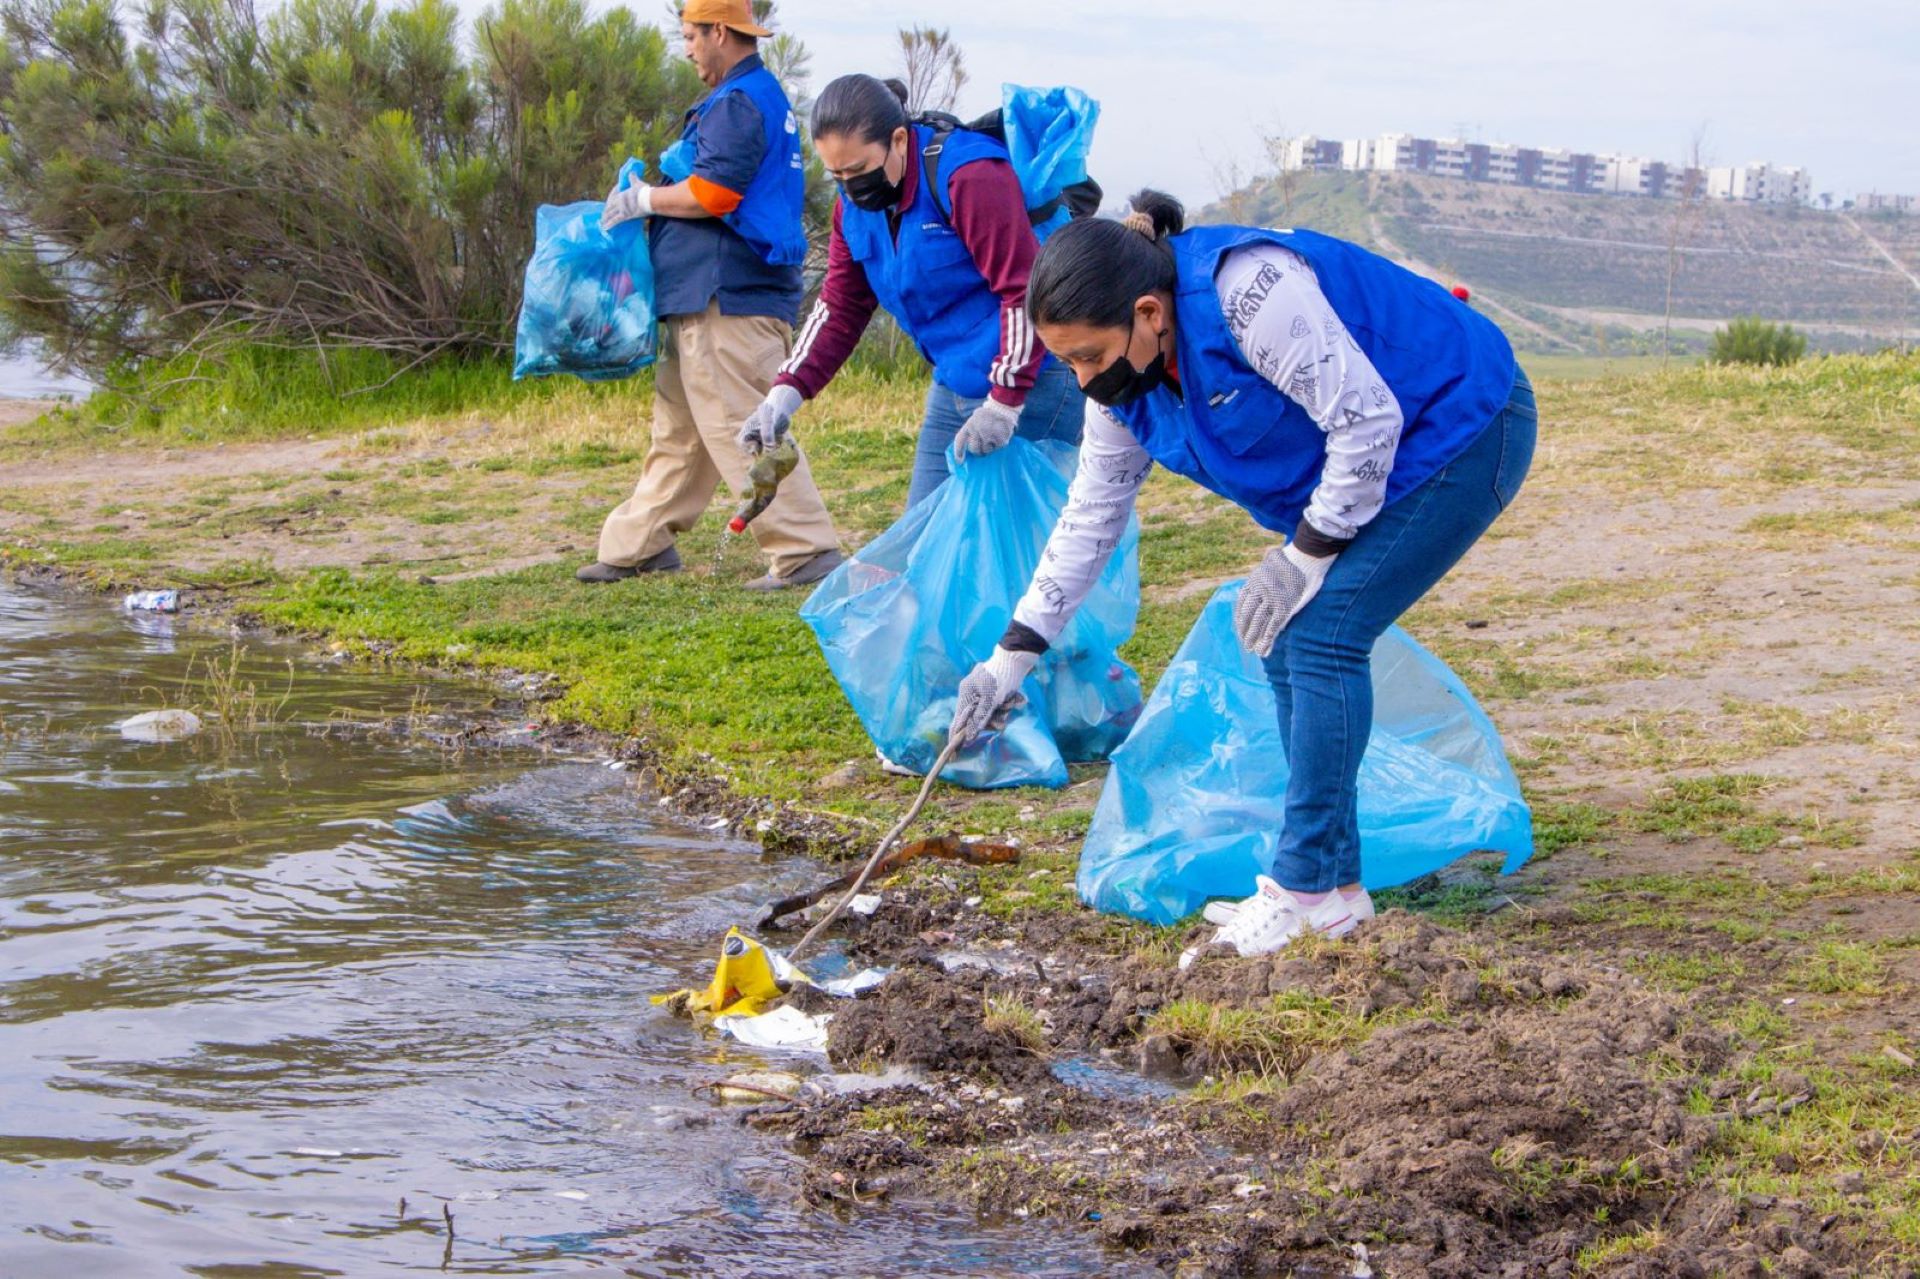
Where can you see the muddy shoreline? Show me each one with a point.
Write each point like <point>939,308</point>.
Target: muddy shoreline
<point>1422,1100</point>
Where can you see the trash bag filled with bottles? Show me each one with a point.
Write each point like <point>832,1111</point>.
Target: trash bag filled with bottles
<point>587,304</point>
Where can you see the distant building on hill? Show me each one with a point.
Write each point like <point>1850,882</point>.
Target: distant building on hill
<point>1760,184</point>
<point>1874,202</point>
<point>1545,168</point>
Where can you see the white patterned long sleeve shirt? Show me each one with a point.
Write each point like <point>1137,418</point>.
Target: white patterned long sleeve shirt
<point>1290,335</point>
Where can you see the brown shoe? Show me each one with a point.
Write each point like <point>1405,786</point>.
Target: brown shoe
<point>667,561</point>
<point>806,575</point>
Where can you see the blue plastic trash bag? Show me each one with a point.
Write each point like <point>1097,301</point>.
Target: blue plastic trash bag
<point>1194,803</point>
<point>902,623</point>
<point>676,162</point>
<point>1049,133</point>
<point>587,305</point>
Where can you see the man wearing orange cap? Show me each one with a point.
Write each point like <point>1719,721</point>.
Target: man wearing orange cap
<point>727,244</point>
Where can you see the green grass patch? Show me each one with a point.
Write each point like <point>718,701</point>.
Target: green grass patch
<point>1839,968</point>
<point>258,393</point>
<point>1273,1039</point>
<point>1013,1017</point>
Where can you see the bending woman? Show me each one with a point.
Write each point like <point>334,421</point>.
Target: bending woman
<point>1359,409</point>
<point>950,264</point>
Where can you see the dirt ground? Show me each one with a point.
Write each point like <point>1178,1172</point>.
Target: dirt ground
<point>1680,1042</point>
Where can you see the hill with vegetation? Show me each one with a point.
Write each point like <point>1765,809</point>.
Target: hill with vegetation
<point>1590,274</point>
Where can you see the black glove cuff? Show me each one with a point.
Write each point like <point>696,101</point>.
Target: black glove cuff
<point>1020,638</point>
<point>1312,541</point>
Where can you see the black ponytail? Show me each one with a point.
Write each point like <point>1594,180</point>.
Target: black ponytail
<point>862,107</point>
<point>1091,270</point>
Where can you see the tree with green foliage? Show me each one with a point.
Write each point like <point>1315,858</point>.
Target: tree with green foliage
<point>188,177</point>
<point>1751,340</point>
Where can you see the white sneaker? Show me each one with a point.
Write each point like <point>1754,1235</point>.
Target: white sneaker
<point>1274,916</point>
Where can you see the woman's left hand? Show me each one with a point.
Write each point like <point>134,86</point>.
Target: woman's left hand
<point>987,428</point>
<point>1286,581</point>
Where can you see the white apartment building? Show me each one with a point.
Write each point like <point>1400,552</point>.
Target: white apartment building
<point>1549,169</point>
<point>1759,183</point>
<point>1874,202</point>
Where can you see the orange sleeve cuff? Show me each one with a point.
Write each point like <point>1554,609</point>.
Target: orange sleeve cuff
<point>713,197</point>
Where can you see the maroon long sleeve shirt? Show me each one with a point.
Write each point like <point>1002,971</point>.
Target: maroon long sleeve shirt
<point>990,217</point>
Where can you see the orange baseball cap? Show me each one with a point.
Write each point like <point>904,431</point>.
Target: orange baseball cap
<point>737,14</point>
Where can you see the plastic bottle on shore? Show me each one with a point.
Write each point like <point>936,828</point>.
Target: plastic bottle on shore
<point>153,602</point>
<point>772,466</point>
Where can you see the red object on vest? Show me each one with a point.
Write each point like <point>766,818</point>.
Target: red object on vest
<point>1461,291</point>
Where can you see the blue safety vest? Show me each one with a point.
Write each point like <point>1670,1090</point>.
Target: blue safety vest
<point>1234,432</point>
<point>769,215</point>
<point>926,277</point>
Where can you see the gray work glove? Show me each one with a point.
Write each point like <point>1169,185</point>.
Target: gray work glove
<point>990,685</point>
<point>987,428</point>
<point>766,424</point>
<point>1287,579</point>
<point>625,203</point>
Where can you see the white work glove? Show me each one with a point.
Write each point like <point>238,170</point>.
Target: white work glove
<point>1287,579</point>
<point>987,428</point>
<point>766,424</point>
<point>625,204</point>
<point>985,690</point>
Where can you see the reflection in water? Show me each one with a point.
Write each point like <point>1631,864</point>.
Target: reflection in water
<point>256,996</point>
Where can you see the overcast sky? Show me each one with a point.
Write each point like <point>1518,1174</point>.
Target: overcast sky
<point>1185,85</point>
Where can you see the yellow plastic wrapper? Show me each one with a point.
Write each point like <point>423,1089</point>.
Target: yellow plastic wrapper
<point>743,982</point>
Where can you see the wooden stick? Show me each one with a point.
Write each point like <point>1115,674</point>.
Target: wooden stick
<point>866,872</point>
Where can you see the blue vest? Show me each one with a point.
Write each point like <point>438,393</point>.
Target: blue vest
<point>1234,432</point>
<point>926,277</point>
<point>769,216</point>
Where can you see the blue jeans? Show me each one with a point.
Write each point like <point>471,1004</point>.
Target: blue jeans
<point>1053,411</point>
<point>1319,667</point>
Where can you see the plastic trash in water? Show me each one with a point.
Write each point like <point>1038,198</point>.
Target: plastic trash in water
<point>159,726</point>
<point>904,620</point>
<point>1194,804</point>
<point>785,1027</point>
<point>744,981</point>
<point>152,602</point>
<point>750,976</point>
<point>586,306</point>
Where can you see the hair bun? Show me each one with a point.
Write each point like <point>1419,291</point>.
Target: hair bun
<point>898,88</point>
<point>1164,214</point>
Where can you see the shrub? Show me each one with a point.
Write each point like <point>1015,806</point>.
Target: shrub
<point>1751,340</point>
<point>187,177</point>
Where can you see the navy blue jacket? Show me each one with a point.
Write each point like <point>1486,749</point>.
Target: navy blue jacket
<point>744,137</point>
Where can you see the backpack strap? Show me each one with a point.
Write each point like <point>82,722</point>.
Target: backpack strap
<point>930,171</point>
<point>1075,198</point>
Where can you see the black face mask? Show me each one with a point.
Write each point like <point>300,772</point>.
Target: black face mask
<point>1121,383</point>
<point>871,190</point>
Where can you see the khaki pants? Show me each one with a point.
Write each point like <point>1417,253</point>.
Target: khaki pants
<point>714,370</point>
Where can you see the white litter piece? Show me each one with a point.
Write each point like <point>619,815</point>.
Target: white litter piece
<point>578,1196</point>
<point>160,726</point>
<point>848,987</point>
<point>864,904</point>
<point>787,973</point>
<point>785,1027</point>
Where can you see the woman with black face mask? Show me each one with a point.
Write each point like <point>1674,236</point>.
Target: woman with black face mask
<point>949,263</point>
<point>1376,421</point>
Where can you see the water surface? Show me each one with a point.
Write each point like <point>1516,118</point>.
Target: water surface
<point>258,990</point>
